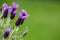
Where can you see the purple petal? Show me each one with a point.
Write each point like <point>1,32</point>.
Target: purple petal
<point>9,9</point>
<point>23,14</point>
<point>5,6</point>
<point>14,5</point>
<point>9,30</point>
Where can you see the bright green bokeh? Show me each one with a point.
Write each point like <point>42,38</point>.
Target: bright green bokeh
<point>44,19</point>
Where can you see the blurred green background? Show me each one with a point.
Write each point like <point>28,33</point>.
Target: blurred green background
<point>44,19</point>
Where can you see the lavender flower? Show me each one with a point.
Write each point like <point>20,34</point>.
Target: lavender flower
<point>5,13</point>
<point>6,34</point>
<point>23,15</point>
<point>13,12</point>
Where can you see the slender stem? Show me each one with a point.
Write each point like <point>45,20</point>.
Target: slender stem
<point>6,25</point>
<point>12,33</point>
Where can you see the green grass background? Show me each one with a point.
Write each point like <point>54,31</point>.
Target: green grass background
<point>44,19</point>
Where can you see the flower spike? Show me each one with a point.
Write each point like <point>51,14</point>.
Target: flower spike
<point>22,16</point>
<point>6,34</point>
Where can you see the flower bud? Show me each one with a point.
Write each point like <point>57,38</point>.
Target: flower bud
<point>6,34</point>
<point>13,12</point>
<point>21,18</point>
<point>19,21</point>
<point>5,13</point>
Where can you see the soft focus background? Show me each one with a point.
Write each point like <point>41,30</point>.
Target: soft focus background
<point>44,19</point>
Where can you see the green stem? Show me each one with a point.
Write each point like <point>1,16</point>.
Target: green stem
<point>12,33</point>
<point>6,25</point>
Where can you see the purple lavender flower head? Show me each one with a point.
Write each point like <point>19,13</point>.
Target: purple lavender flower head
<point>13,12</point>
<point>23,15</point>
<point>6,34</point>
<point>6,8</point>
<point>14,5</point>
<point>9,30</point>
